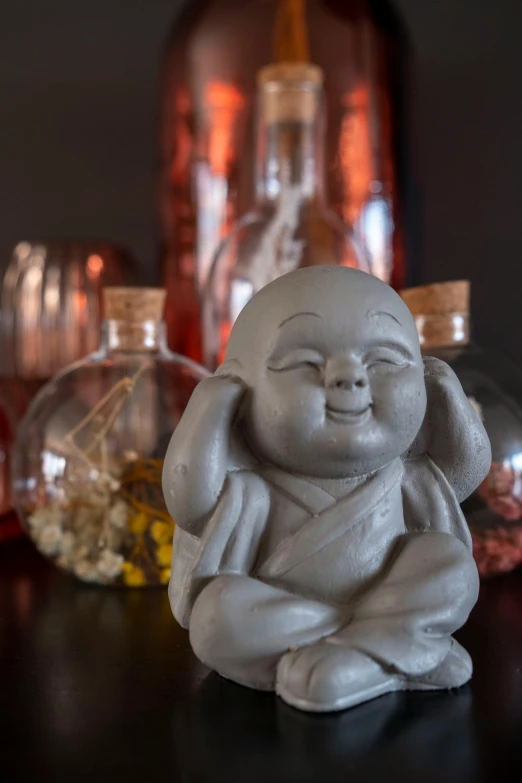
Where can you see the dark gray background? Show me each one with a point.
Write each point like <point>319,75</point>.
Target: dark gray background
<point>78,98</point>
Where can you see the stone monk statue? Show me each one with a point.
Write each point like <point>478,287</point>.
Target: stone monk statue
<point>315,479</point>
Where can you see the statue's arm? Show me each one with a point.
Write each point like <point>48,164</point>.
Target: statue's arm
<point>198,456</point>
<point>453,435</point>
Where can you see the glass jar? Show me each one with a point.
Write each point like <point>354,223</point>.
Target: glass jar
<point>494,387</point>
<point>89,453</point>
<point>50,310</point>
<point>6,430</point>
<point>290,225</point>
<point>51,304</point>
<point>9,524</point>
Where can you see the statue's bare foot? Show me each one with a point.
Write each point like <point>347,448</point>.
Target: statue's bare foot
<point>324,678</point>
<point>454,671</point>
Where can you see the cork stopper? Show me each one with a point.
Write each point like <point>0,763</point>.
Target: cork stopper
<point>290,92</point>
<point>134,304</point>
<point>441,312</point>
<point>290,73</point>
<point>438,298</point>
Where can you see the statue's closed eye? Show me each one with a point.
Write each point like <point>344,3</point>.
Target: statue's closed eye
<point>297,359</point>
<point>385,355</point>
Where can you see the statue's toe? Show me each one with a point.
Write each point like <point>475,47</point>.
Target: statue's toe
<point>454,671</point>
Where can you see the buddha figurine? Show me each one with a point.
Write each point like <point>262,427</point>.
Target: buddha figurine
<point>320,551</point>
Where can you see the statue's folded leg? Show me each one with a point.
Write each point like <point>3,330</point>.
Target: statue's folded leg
<point>240,627</point>
<point>400,634</point>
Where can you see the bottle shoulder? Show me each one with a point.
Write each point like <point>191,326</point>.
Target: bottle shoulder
<point>279,240</point>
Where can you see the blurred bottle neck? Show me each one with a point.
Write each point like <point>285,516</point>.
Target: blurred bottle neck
<point>134,336</point>
<point>444,330</point>
<point>290,143</point>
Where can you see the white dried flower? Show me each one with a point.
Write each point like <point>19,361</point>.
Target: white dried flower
<point>81,553</point>
<point>106,481</point>
<point>110,564</point>
<point>99,497</point>
<point>119,514</point>
<point>42,517</point>
<point>49,539</point>
<point>86,571</point>
<point>88,535</point>
<point>64,561</point>
<point>68,543</point>
<point>86,517</point>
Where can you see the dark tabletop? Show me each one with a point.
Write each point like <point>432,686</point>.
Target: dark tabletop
<point>101,685</point>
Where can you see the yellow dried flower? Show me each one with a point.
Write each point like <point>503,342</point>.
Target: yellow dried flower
<point>164,554</point>
<point>162,532</point>
<point>133,576</point>
<point>164,576</point>
<point>138,523</point>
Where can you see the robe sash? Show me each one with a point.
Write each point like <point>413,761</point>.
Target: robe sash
<point>323,529</point>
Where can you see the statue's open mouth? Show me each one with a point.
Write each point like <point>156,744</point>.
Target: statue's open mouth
<point>349,416</point>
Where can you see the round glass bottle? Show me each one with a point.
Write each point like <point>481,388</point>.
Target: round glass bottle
<point>290,225</point>
<point>494,386</point>
<point>89,453</point>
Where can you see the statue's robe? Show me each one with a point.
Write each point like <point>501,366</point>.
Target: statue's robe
<point>282,563</point>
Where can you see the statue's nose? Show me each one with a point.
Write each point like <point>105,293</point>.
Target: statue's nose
<point>345,375</point>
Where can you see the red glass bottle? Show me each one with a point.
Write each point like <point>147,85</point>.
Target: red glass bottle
<point>215,49</point>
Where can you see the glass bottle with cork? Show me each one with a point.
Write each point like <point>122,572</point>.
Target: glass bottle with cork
<point>89,453</point>
<point>494,386</point>
<point>290,225</point>
<point>213,53</point>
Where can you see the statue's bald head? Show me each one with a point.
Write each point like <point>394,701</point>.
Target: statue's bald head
<point>346,298</point>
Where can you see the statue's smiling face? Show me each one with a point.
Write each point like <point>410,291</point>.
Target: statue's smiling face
<point>340,391</point>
